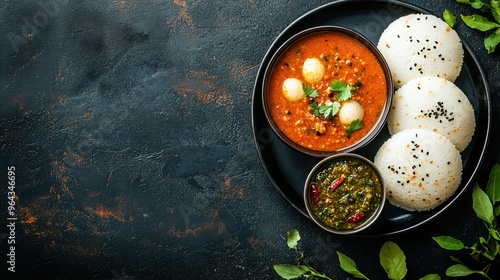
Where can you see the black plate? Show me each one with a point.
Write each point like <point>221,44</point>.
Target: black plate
<point>288,169</point>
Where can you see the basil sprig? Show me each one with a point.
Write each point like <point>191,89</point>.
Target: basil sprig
<point>480,22</point>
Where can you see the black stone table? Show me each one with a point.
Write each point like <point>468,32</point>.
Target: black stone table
<point>129,127</point>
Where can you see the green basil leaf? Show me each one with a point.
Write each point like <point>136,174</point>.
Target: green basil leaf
<point>293,239</point>
<point>492,40</point>
<point>496,211</point>
<point>495,9</point>
<point>288,271</point>
<point>494,233</point>
<point>483,242</point>
<point>449,18</point>
<point>479,22</point>
<point>474,252</point>
<point>482,205</point>
<point>492,248</point>
<point>449,243</point>
<point>460,270</point>
<point>493,188</point>
<point>349,266</point>
<point>431,277</point>
<point>393,261</point>
<point>455,259</point>
<point>476,4</point>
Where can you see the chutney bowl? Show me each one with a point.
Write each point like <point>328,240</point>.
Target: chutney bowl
<point>348,207</point>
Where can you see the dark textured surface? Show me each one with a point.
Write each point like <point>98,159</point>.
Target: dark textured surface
<point>129,125</point>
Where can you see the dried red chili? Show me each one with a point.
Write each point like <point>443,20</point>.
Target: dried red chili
<point>356,217</point>
<point>315,193</point>
<point>336,183</point>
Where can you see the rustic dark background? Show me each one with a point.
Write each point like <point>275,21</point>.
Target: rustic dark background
<point>129,125</point>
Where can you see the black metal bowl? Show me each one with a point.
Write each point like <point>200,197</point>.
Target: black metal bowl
<point>308,197</point>
<point>283,49</point>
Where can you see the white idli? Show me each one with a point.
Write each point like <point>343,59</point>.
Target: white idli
<point>421,45</point>
<point>434,104</point>
<point>420,168</point>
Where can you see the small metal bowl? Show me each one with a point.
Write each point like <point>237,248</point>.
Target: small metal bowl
<point>327,210</point>
<point>382,116</point>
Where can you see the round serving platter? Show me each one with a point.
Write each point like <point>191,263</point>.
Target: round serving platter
<point>288,169</point>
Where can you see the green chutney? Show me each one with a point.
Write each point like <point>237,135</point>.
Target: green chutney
<point>345,193</point>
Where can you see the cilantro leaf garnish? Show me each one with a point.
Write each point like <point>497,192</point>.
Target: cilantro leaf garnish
<point>353,126</point>
<point>337,85</point>
<point>313,107</point>
<point>309,91</point>
<point>345,91</point>
<point>329,109</point>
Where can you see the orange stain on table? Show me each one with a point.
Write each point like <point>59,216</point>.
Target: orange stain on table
<point>216,227</point>
<point>183,14</point>
<point>232,191</point>
<point>29,217</point>
<point>199,86</point>
<point>62,100</point>
<point>121,3</point>
<point>86,115</point>
<point>107,213</point>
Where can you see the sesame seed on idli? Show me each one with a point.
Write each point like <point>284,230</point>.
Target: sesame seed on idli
<point>421,45</point>
<point>420,168</point>
<point>434,104</point>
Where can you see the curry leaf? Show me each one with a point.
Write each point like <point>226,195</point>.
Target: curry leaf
<point>482,205</point>
<point>460,270</point>
<point>349,266</point>
<point>479,22</point>
<point>288,271</point>
<point>449,18</point>
<point>431,277</point>
<point>293,239</point>
<point>449,243</point>
<point>493,188</point>
<point>393,261</point>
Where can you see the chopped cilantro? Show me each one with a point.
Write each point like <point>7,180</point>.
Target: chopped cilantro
<point>345,91</point>
<point>313,107</point>
<point>353,126</point>
<point>309,91</point>
<point>329,109</point>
